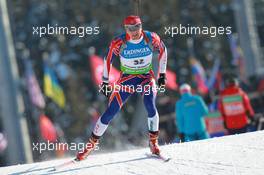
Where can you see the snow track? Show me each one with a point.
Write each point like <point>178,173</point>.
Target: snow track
<point>231,155</point>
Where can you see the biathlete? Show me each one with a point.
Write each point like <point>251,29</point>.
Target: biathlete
<point>135,50</point>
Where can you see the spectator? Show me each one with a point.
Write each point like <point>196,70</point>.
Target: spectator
<point>190,110</point>
<point>235,107</point>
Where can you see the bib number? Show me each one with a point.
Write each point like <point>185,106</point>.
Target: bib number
<point>140,61</point>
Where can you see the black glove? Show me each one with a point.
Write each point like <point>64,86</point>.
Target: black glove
<point>162,79</point>
<point>181,136</point>
<point>105,89</point>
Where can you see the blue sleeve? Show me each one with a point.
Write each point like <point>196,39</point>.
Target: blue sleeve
<point>179,118</point>
<point>203,106</point>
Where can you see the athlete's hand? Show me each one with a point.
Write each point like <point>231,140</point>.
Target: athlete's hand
<point>162,80</point>
<point>105,89</point>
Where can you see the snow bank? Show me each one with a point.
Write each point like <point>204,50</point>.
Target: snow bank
<point>231,155</point>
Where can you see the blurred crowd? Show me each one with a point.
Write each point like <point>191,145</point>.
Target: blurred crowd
<point>68,56</point>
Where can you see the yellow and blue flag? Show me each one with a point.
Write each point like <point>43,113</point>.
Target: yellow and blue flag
<point>52,88</point>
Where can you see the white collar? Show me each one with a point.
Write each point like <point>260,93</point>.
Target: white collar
<point>136,41</point>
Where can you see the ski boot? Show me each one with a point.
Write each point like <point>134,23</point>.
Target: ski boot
<point>90,146</point>
<point>153,142</point>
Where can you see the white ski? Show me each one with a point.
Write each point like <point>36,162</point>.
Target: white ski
<point>159,156</point>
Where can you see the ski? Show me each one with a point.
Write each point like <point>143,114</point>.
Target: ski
<point>63,165</point>
<point>73,161</point>
<point>158,156</point>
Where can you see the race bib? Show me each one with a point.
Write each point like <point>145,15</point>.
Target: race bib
<point>233,105</point>
<point>136,58</point>
<point>136,65</point>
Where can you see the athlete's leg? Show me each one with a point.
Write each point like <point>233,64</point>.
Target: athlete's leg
<point>115,104</point>
<point>119,96</point>
<point>153,119</point>
<point>153,116</point>
<point>116,101</point>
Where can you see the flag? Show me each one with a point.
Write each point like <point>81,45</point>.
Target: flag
<point>219,84</point>
<point>199,75</point>
<point>47,129</point>
<point>237,54</point>
<point>213,74</point>
<point>52,88</point>
<point>97,67</point>
<point>171,80</point>
<point>33,88</point>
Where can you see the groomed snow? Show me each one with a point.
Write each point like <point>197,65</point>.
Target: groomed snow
<point>231,155</point>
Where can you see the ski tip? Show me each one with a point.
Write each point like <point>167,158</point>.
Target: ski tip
<point>168,159</point>
<point>52,169</point>
<point>159,156</point>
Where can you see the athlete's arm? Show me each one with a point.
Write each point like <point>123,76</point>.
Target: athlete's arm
<point>113,51</point>
<point>160,46</point>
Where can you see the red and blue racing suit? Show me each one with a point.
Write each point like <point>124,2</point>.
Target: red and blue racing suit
<point>136,67</point>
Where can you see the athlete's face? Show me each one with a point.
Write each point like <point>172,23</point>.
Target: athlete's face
<point>134,31</point>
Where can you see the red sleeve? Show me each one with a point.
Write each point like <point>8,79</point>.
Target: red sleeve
<point>220,107</point>
<point>113,51</point>
<point>247,104</point>
<point>160,46</point>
